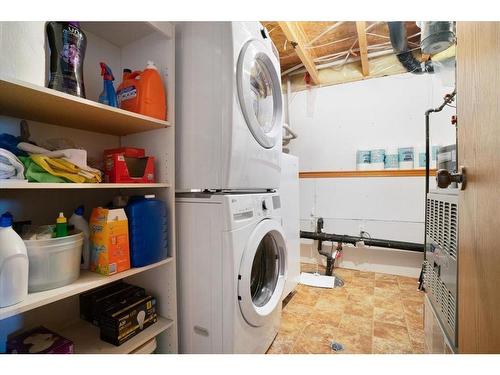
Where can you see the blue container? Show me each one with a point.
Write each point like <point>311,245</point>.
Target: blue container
<point>148,229</point>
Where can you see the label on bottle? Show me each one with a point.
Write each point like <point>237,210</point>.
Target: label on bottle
<point>127,93</point>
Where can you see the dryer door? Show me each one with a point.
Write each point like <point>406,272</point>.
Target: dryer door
<point>259,92</point>
<point>262,275</point>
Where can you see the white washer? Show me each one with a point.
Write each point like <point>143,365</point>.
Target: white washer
<point>229,107</point>
<point>231,272</point>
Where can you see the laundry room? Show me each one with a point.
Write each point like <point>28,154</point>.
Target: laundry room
<point>248,185</point>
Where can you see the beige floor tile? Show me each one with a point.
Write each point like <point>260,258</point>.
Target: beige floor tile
<point>389,331</point>
<point>365,275</point>
<point>389,286</point>
<point>389,303</point>
<point>361,298</point>
<point>319,341</point>
<point>387,292</point>
<point>415,321</point>
<point>360,309</point>
<point>386,346</point>
<point>385,277</point>
<point>282,344</point>
<point>388,316</point>
<point>413,307</point>
<point>327,305</point>
<point>329,318</point>
<point>373,312</point>
<point>359,289</point>
<point>358,324</point>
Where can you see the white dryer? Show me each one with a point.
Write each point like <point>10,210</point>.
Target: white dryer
<point>229,107</point>
<point>231,272</point>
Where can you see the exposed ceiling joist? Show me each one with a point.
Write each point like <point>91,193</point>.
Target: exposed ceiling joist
<point>363,47</point>
<point>294,33</point>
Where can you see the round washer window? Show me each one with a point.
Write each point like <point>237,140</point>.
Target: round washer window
<point>265,271</point>
<point>262,95</point>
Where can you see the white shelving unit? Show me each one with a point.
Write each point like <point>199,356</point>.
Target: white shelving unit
<point>50,185</point>
<point>86,340</point>
<point>95,127</point>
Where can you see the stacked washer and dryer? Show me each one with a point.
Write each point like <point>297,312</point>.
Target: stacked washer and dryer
<point>231,244</point>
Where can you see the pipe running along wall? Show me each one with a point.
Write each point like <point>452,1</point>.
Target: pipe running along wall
<point>342,238</point>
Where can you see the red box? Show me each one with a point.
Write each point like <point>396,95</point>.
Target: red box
<point>130,152</point>
<point>128,165</point>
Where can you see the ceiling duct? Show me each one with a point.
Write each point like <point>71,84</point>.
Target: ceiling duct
<point>399,41</point>
<point>436,36</point>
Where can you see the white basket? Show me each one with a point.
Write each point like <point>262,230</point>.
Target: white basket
<point>54,262</point>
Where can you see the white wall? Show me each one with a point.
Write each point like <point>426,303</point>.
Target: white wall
<point>332,123</point>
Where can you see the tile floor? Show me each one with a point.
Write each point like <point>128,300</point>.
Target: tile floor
<point>373,313</point>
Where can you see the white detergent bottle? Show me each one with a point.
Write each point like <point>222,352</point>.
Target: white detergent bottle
<point>14,264</point>
<point>79,222</point>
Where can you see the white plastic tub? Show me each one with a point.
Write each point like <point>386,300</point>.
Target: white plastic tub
<point>54,262</point>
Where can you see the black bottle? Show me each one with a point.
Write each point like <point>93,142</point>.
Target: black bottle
<point>67,44</point>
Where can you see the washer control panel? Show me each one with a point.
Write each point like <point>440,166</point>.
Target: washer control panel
<point>244,207</point>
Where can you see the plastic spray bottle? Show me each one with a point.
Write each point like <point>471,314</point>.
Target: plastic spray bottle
<point>14,264</point>
<point>79,222</point>
<point>61,226</point>
<point>108,94</point>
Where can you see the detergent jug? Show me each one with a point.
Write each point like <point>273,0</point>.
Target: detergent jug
<point>143,92</point>
<point>148,230</point>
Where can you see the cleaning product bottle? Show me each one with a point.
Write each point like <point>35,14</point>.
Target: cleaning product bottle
<point>79,222</point>
<point>14,264</point>
<point>143,92</point>
<point>108,94</point>
<point>67,44</point>
<point>148,230</point>
<point>61,226</point>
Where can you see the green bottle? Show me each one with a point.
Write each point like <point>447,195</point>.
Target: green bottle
<point>61,226</point>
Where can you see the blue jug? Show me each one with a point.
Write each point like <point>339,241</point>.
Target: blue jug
<point>148,230</point>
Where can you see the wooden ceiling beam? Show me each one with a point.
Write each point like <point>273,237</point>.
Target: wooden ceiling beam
<point>296,35</point>
<point>363,47</point>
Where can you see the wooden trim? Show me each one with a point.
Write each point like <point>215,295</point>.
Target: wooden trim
<point>377,173</point>
<point>295,34</point>
<point>363,47</point>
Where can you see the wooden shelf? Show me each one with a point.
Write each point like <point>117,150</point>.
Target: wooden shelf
<point>31,102</point>
<point>43,185</point>
<point>377,173</point>
<point>85,337</point>
<point>87,280</point>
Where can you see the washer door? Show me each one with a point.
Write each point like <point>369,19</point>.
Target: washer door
<point>262,275</point>
<point>259,92</point>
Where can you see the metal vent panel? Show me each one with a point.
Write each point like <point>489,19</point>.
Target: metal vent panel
<point>442,224</point>
<point>442,299</point>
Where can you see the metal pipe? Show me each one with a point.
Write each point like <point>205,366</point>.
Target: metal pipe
<point>447,100</point>
<point>390,244</point>
<point>329,257</point>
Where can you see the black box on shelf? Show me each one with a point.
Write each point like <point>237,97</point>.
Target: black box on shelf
<point>122,322</point>
<point>95,302</point>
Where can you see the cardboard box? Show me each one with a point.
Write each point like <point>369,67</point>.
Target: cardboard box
<point>128,165</point>
<point>124,321</point>
<point>39,340</point>
<point>94,302</point>
<point>109,245</point>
